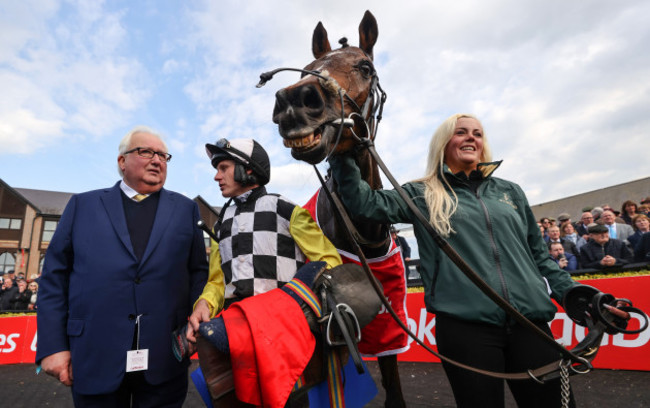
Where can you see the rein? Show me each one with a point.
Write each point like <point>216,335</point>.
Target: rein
<point>588,348</point>
<point>536,374</point>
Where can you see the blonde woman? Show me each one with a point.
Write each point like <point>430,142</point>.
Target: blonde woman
<point>488,221</point>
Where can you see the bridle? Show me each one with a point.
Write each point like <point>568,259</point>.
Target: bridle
<point>577,361</point>
<point>370,113</point>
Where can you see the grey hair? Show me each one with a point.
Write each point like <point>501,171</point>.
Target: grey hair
<point>126,142</point>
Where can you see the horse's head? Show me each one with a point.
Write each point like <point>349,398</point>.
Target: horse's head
<point>310,113</point>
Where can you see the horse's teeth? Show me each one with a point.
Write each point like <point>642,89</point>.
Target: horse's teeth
<point>302,142</point>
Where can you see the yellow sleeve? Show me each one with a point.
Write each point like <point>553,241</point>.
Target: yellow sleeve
<point>214,291</point>
<point>311,240</point>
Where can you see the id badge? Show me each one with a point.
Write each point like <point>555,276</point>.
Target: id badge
<point>137,360</point>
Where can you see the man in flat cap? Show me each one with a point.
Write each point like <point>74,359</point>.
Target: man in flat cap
<point>602,251</point>
<point>563,219</point>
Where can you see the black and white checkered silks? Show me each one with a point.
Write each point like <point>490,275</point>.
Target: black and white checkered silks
<point>257,251</point>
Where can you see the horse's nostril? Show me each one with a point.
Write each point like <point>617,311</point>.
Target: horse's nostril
<point>296,107</point>
<point>311,98</point>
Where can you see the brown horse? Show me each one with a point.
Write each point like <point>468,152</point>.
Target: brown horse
<point>320,115</point>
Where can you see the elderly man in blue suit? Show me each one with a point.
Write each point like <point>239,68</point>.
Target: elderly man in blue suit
<point>123,270</point>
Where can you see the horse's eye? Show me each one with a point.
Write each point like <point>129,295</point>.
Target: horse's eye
<point>366,69</point>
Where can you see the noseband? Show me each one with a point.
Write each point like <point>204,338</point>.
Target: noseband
<point>370,113</point>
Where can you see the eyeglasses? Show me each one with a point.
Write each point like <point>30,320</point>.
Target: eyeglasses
<point>148,154</point>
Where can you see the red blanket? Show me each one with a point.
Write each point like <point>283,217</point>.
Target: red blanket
<point>270,346</point>
<point>383,336</point>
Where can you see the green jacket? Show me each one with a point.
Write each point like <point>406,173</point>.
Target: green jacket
<point>496,234</point>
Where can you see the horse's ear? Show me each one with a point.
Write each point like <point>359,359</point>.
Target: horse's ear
<point>320,45</point>
<point>368,33</point>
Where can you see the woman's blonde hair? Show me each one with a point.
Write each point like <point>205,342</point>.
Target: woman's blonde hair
<point>442,203</point>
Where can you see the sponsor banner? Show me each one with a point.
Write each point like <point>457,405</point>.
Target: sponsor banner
<point>621,351</point>
<point>17,339</point>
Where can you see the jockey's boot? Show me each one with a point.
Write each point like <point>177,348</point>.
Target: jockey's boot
<point>217,371</point>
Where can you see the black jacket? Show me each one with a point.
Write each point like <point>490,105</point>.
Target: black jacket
<point>20,301</point>
<point>592,253</point>
<point>404,246</point>
<point>642,249</point>
<point>581,229</point>
<point>7,297</point>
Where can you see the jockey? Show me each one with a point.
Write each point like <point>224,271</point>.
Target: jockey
<point>263,239</point>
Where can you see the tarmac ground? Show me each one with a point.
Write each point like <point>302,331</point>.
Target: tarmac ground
<point>424,385</point>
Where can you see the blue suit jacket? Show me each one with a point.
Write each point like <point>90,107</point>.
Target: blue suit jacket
<point>572,259</point>
<point>93,287</point>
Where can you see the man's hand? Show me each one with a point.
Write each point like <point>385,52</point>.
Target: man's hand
<point>608,260</point>
<point>59,366</point>
<point>563,263</point>
<point>201,314</point>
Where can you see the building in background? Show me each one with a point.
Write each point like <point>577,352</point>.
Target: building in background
<point>209,215</point>
<point>28,219</point>
<point>614,196</point>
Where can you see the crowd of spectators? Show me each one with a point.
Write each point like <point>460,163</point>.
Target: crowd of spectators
<point>603,237</point>
<point>17,294</point>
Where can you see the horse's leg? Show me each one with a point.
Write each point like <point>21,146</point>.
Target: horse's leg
<point>217,371</point>
<point>391,382</point>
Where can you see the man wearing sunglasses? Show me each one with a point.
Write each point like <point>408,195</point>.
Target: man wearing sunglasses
<point>122,271</point>
<point>263,238</point>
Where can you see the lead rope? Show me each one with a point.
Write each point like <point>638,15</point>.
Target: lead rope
<point>342,215</point>
<point>264,78</point>
<point>565,386</point>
